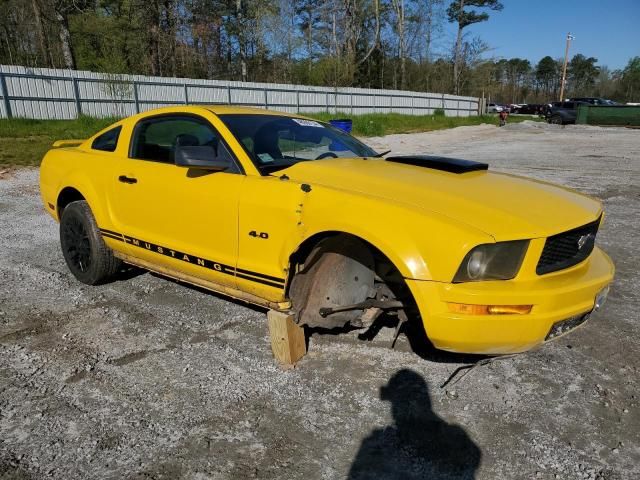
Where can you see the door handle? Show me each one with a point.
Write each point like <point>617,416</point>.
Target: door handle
<point>125,179</point>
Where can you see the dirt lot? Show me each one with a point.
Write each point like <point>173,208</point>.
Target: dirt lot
<point>144,378</point>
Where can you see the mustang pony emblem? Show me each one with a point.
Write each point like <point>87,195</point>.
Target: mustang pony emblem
<point>582,241</point>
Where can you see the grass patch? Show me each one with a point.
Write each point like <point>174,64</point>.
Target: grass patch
<point>379,124</point>
<point>24,142</point>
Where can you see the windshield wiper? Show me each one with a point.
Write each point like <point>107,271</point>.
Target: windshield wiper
<point>381,154</point>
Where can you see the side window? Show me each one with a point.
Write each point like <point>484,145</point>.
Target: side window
<point>157,138</point>
<point>108,141</point>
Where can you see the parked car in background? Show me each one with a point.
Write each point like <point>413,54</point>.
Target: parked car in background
<point>562,113</point>
<point>494,108</point>
<point>528,109</point>
<point>594,101</point>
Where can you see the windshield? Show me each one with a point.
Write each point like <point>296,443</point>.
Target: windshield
<point>274,142</point>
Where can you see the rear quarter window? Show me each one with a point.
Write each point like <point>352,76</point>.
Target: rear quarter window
<point>108,141</point>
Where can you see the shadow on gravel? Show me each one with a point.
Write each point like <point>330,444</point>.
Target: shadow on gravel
<point>419,343</point>
<point>251,306</point>
<point>419,445</point>
<point>128,272</point>
<point>421,346</point>
<point>413,329</point>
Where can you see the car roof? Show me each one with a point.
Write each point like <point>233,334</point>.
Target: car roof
<point>215,109</point>
<point>194,109</point>
<point>233,109</point>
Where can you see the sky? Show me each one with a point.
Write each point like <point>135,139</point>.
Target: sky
<point>608,30</point>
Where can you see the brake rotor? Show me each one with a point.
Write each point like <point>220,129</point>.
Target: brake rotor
<point>340,272</point>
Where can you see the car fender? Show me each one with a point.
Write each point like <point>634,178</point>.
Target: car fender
<point>421,244</point>
<point>60,170</point>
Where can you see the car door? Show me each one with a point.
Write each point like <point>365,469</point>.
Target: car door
<point>184,219</point>
<point>270,213</point>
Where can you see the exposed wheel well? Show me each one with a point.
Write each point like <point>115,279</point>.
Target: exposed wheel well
<point>67,195</point>
<point>300,255</point>
<point>311,282</point>
<point>384,267</point>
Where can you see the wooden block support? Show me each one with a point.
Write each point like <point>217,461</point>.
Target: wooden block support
<point>287,338</point>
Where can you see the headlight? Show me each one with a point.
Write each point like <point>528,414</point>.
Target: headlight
<point>492,261</point>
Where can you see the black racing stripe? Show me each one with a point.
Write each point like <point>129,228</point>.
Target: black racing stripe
<point>113,236</point>
<point>178,255</point>
<point>259,280</point>
<point>104,230</point>
<point>196,260</point>
<point>260,275</point>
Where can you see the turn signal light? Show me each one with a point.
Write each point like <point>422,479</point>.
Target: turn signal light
<point>470,309</point>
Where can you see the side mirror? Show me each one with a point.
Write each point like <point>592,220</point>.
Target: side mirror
<point>203,157</point>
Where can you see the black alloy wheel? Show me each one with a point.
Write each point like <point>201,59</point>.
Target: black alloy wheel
<point>88,257</point>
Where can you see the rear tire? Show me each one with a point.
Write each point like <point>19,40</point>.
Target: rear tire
<point>84,250</point>
<point>556,120</point>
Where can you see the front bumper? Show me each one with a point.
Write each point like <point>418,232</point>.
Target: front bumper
<point>555,297</point>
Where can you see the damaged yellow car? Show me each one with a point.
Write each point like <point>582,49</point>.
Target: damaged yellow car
<point>295,215</point>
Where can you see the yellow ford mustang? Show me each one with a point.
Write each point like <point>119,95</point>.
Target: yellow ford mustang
<point>295,215</point>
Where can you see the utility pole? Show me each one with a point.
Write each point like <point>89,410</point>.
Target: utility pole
<point>564,66</point>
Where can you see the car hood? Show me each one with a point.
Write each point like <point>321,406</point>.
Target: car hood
<point>505,206</point>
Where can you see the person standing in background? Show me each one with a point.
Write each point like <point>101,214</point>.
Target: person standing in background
<point>503,117</point>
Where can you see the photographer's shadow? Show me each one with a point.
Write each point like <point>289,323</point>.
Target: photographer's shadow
<point>420,445</point>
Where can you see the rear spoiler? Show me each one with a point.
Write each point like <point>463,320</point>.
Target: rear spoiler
<point>67,143</point>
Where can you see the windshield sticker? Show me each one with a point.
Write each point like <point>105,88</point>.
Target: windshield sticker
<point>265,158</point>
<point>307,123</point>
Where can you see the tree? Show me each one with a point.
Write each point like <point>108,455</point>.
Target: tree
<point>338,43</point>
<point>547,76</point>
<point>630,81</point>
<point>456,13</point>
<point>430,25</point>
<point>376,37</point>
<point>470,58</point>
<point>62,10</point>
<point>399,9</point>
<point>582,72</point>
<point>517,70</point>
<point>281,33</point>
<point>45,51</point>
<point>308,12</point>
<point>370,50</point>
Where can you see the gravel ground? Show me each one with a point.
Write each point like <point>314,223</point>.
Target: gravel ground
<point>145,378</point>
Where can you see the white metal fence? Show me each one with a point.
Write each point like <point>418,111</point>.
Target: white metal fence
<point>63,94</point>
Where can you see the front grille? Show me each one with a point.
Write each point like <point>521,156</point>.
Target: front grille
<point>567,249</point>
